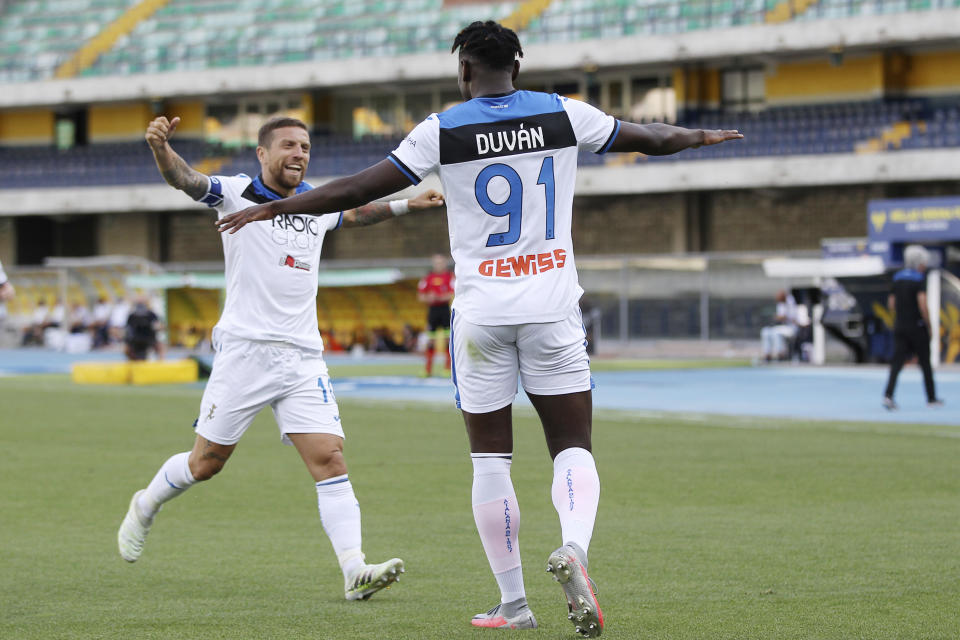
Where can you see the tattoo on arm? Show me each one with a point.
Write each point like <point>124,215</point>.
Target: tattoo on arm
<point>180,175</point>
<point>371,214</point>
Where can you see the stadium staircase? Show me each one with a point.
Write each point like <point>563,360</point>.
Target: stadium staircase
<point>891,137</point>
<point>103,41</point>
<point>211,165</point>
<point>526,13</point>
<point>788,10</point>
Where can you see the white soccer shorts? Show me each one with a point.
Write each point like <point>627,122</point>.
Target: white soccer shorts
<point>550,358</point>
<point>249,375</point>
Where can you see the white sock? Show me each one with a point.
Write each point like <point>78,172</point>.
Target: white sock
<point>576,494</point>
<point>173,479</point>
<point>340,516</point>
<point>497,514</point>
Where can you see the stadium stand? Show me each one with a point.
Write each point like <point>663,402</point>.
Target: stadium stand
<point>790,130</point>
<point>40,35</point>
<point>37,36</point>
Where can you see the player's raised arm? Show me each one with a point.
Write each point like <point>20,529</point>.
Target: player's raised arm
<point>371,184</point>
<point>664,139</point>
<point>173,168</point>
<point>379,211</point>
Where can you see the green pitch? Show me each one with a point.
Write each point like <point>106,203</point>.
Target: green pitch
<point>707,529</point>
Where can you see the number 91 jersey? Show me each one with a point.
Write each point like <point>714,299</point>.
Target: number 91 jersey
<point>508,166</point>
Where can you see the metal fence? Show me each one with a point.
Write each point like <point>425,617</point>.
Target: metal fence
<point>701,296</point>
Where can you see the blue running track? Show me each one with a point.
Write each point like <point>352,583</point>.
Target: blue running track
<point>800,392</point>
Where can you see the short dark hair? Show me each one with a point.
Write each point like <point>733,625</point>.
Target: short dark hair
<point>265,135</point>
<point>489,43</point>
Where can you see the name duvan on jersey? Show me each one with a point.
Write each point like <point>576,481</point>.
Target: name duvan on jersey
<point>513,140</point>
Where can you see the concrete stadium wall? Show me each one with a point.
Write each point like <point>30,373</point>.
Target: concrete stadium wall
<point>117,122</point>
<point>26,127</point>
<point>853,78</point>
<point>788,218</point>
<point>8,242</point>
<point>413,235</point>
<point>783,219</point>
<point>129,234</point>
<point>630,224</point>
<point>934,73</point>
<point>191,236</point>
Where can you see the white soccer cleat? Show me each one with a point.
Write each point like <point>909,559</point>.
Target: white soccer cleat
<point>513,615</point>
<point>371,578</point>
<point>133,531</point>
<point>582,606</point>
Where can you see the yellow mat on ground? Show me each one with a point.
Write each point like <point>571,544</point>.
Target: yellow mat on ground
<point>146,372</point>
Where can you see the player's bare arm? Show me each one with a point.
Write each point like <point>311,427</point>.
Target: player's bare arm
<point>372,183</point>
<point>7,291</point>
<point>664,139</point>
<point>379,211</point>
<point>173,168</point>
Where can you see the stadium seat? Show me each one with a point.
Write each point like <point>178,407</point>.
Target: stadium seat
<point>39,35</point>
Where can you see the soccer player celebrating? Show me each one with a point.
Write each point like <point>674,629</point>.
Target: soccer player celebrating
<point>268,346</point>
<point>436,290</point>
<point>507,160</point>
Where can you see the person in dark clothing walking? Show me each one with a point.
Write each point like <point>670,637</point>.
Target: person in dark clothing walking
<point>911,329</point>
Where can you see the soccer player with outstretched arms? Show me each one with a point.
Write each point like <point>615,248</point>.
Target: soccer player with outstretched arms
<point>268,345</point>
<point>507,160</point>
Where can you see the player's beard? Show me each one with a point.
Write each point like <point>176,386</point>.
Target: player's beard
<point>287,179</point>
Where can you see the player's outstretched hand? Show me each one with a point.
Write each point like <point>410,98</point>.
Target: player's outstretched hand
<point>426,200</point>
<point>716,136</point>
<point>236,221</point>
<point>160,130</point>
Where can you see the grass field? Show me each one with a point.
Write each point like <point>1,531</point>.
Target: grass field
<point>342,370</point>
<point>707,529</point>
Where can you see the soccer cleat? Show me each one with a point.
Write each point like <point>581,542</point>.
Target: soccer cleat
<point>133,531</point>
<point>582,606</point>
<point>936,403</point>
<point>371,578</point>
<point>513,615</point>
<point>889,404</point>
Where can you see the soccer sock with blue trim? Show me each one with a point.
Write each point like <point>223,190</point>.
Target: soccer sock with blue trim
<point>340,516</point>
<point>497,514</point>
<point>173,479</point>
<point>576,494</point>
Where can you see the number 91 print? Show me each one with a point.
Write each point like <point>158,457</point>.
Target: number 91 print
<point>530,264</point>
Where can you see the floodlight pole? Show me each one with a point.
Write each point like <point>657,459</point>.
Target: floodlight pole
<point>624,303</point>
<point>705,300</point>
<point>819,354</point>
<point>933,312</point>
<point>64,287</point>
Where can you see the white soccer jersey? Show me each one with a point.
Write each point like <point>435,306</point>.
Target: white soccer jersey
<point>508,166</point>
<point>271,267</point>
<point>3,275</point>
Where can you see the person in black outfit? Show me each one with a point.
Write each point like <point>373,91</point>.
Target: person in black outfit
<point>141,334</point>
<point>911,329</point>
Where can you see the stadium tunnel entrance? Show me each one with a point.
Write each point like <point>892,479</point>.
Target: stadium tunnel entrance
<point>853,282</point>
